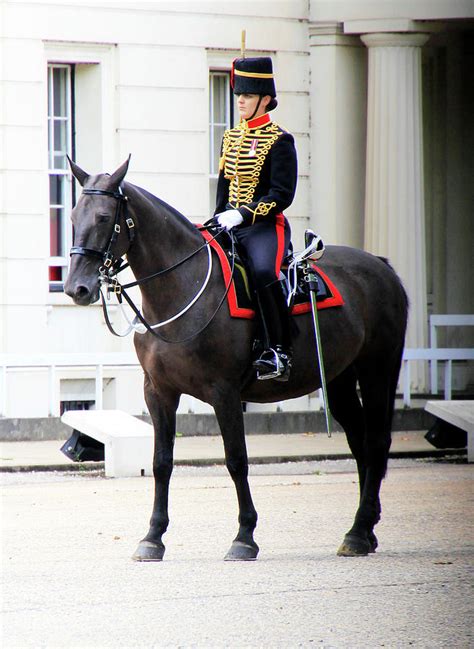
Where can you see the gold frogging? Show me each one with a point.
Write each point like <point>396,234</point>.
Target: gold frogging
<point>243,154</point>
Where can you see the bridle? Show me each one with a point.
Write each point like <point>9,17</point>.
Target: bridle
<point>112,266</point>
<point>107,255</point>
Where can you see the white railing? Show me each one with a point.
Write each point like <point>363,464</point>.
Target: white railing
<point>446,354</point>
<point>451,320</point>
<point>96,363</point>
<point>56,362</point>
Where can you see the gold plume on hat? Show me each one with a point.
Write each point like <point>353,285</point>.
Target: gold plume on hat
<point>242,44</point>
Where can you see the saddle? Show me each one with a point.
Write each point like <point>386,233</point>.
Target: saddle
<point>240,297</point>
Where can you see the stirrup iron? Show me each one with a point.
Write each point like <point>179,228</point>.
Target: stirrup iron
<point>278,362</point>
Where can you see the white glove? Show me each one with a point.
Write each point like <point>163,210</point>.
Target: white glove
<point>230,219</point>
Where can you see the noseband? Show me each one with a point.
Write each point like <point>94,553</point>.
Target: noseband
<point>107,255</point>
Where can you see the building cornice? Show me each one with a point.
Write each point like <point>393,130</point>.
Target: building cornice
<point>330,33</point>
<point>392,25</point>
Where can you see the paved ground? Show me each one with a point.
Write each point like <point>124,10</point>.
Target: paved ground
<point>209,450</point>
<point>69,581</point>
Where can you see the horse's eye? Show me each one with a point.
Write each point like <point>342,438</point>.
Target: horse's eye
<point>102,218</point>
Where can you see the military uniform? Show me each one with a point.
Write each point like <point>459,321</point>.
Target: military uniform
<point>258,172</point>
<point>257,177</point>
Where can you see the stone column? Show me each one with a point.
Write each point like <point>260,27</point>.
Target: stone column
<point>337,144</point>
<point>394,198</point>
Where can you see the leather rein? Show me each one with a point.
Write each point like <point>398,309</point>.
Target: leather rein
<point>112,266</point>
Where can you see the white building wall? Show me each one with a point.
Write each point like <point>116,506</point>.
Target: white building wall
<point>142,74</point>
<point>330,10</point>
<point>142,88</point>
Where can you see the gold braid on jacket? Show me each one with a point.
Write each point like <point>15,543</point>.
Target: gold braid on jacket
<point>257,169</point>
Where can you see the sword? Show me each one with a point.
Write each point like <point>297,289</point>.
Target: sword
<point>312,280</point>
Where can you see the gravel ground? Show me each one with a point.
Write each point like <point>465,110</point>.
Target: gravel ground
<point>68,580</point>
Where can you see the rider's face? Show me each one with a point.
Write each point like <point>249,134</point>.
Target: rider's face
<point>248,103</point>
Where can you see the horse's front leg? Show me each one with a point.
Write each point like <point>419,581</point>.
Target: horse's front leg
<point>228,409</point>
<point>162,408</point>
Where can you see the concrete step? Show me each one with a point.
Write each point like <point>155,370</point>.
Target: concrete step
<point>256,423</point>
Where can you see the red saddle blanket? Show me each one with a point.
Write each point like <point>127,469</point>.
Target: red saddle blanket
<point>239,297</point>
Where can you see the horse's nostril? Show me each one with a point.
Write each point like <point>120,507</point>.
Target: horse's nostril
<point>82,291</point>
<point>82,296</point>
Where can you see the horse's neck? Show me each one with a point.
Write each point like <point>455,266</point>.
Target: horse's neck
<point>163,237</point>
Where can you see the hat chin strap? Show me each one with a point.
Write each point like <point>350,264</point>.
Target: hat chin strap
<point>256,108</point>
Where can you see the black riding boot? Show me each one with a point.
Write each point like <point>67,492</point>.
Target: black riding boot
<point>275,361</point>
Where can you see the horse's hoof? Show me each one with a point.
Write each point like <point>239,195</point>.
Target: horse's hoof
<point>354,546</point>
<point>148,551</point>
<point>242,552</point>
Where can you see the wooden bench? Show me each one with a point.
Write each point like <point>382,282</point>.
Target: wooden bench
<point>457,413</point>
<point>128,441</point>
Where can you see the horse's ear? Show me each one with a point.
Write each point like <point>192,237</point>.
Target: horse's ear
<point>77,172</point>
<point>117,177</point>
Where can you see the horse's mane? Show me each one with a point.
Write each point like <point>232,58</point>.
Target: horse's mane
<point>161,205</point>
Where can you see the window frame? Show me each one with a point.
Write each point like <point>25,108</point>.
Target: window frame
<point>229,115</point>
<point>61,261</point>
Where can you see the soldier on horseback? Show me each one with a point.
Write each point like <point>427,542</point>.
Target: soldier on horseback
<point>257,181</point>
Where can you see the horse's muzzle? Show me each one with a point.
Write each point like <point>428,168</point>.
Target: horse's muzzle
<point>81,294</point>
<point>82,281</point>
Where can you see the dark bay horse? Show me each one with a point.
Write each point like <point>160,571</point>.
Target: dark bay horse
<point>207,354</point>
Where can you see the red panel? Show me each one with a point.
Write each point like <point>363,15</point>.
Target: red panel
<point>55,274</point>
<point>238,312</point>
<point>234,309</point>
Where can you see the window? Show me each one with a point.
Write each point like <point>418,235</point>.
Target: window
<point>76,405</point>
<point>221,117</point>
<point>60,144</point>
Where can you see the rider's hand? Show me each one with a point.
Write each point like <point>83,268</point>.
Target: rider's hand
<point>230,219</point>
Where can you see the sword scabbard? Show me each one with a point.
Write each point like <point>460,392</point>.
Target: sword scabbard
<point>312,280</point>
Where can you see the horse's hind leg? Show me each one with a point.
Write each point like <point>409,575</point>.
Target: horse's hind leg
<point>162,408</point>
<point>378,393</point>
<point>228,409</point>
<point>346,407</point>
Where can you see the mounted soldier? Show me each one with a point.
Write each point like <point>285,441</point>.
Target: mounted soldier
<point>363,337</point>
<point>257,181</point>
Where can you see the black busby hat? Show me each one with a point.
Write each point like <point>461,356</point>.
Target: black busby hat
<point>254,76</point>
